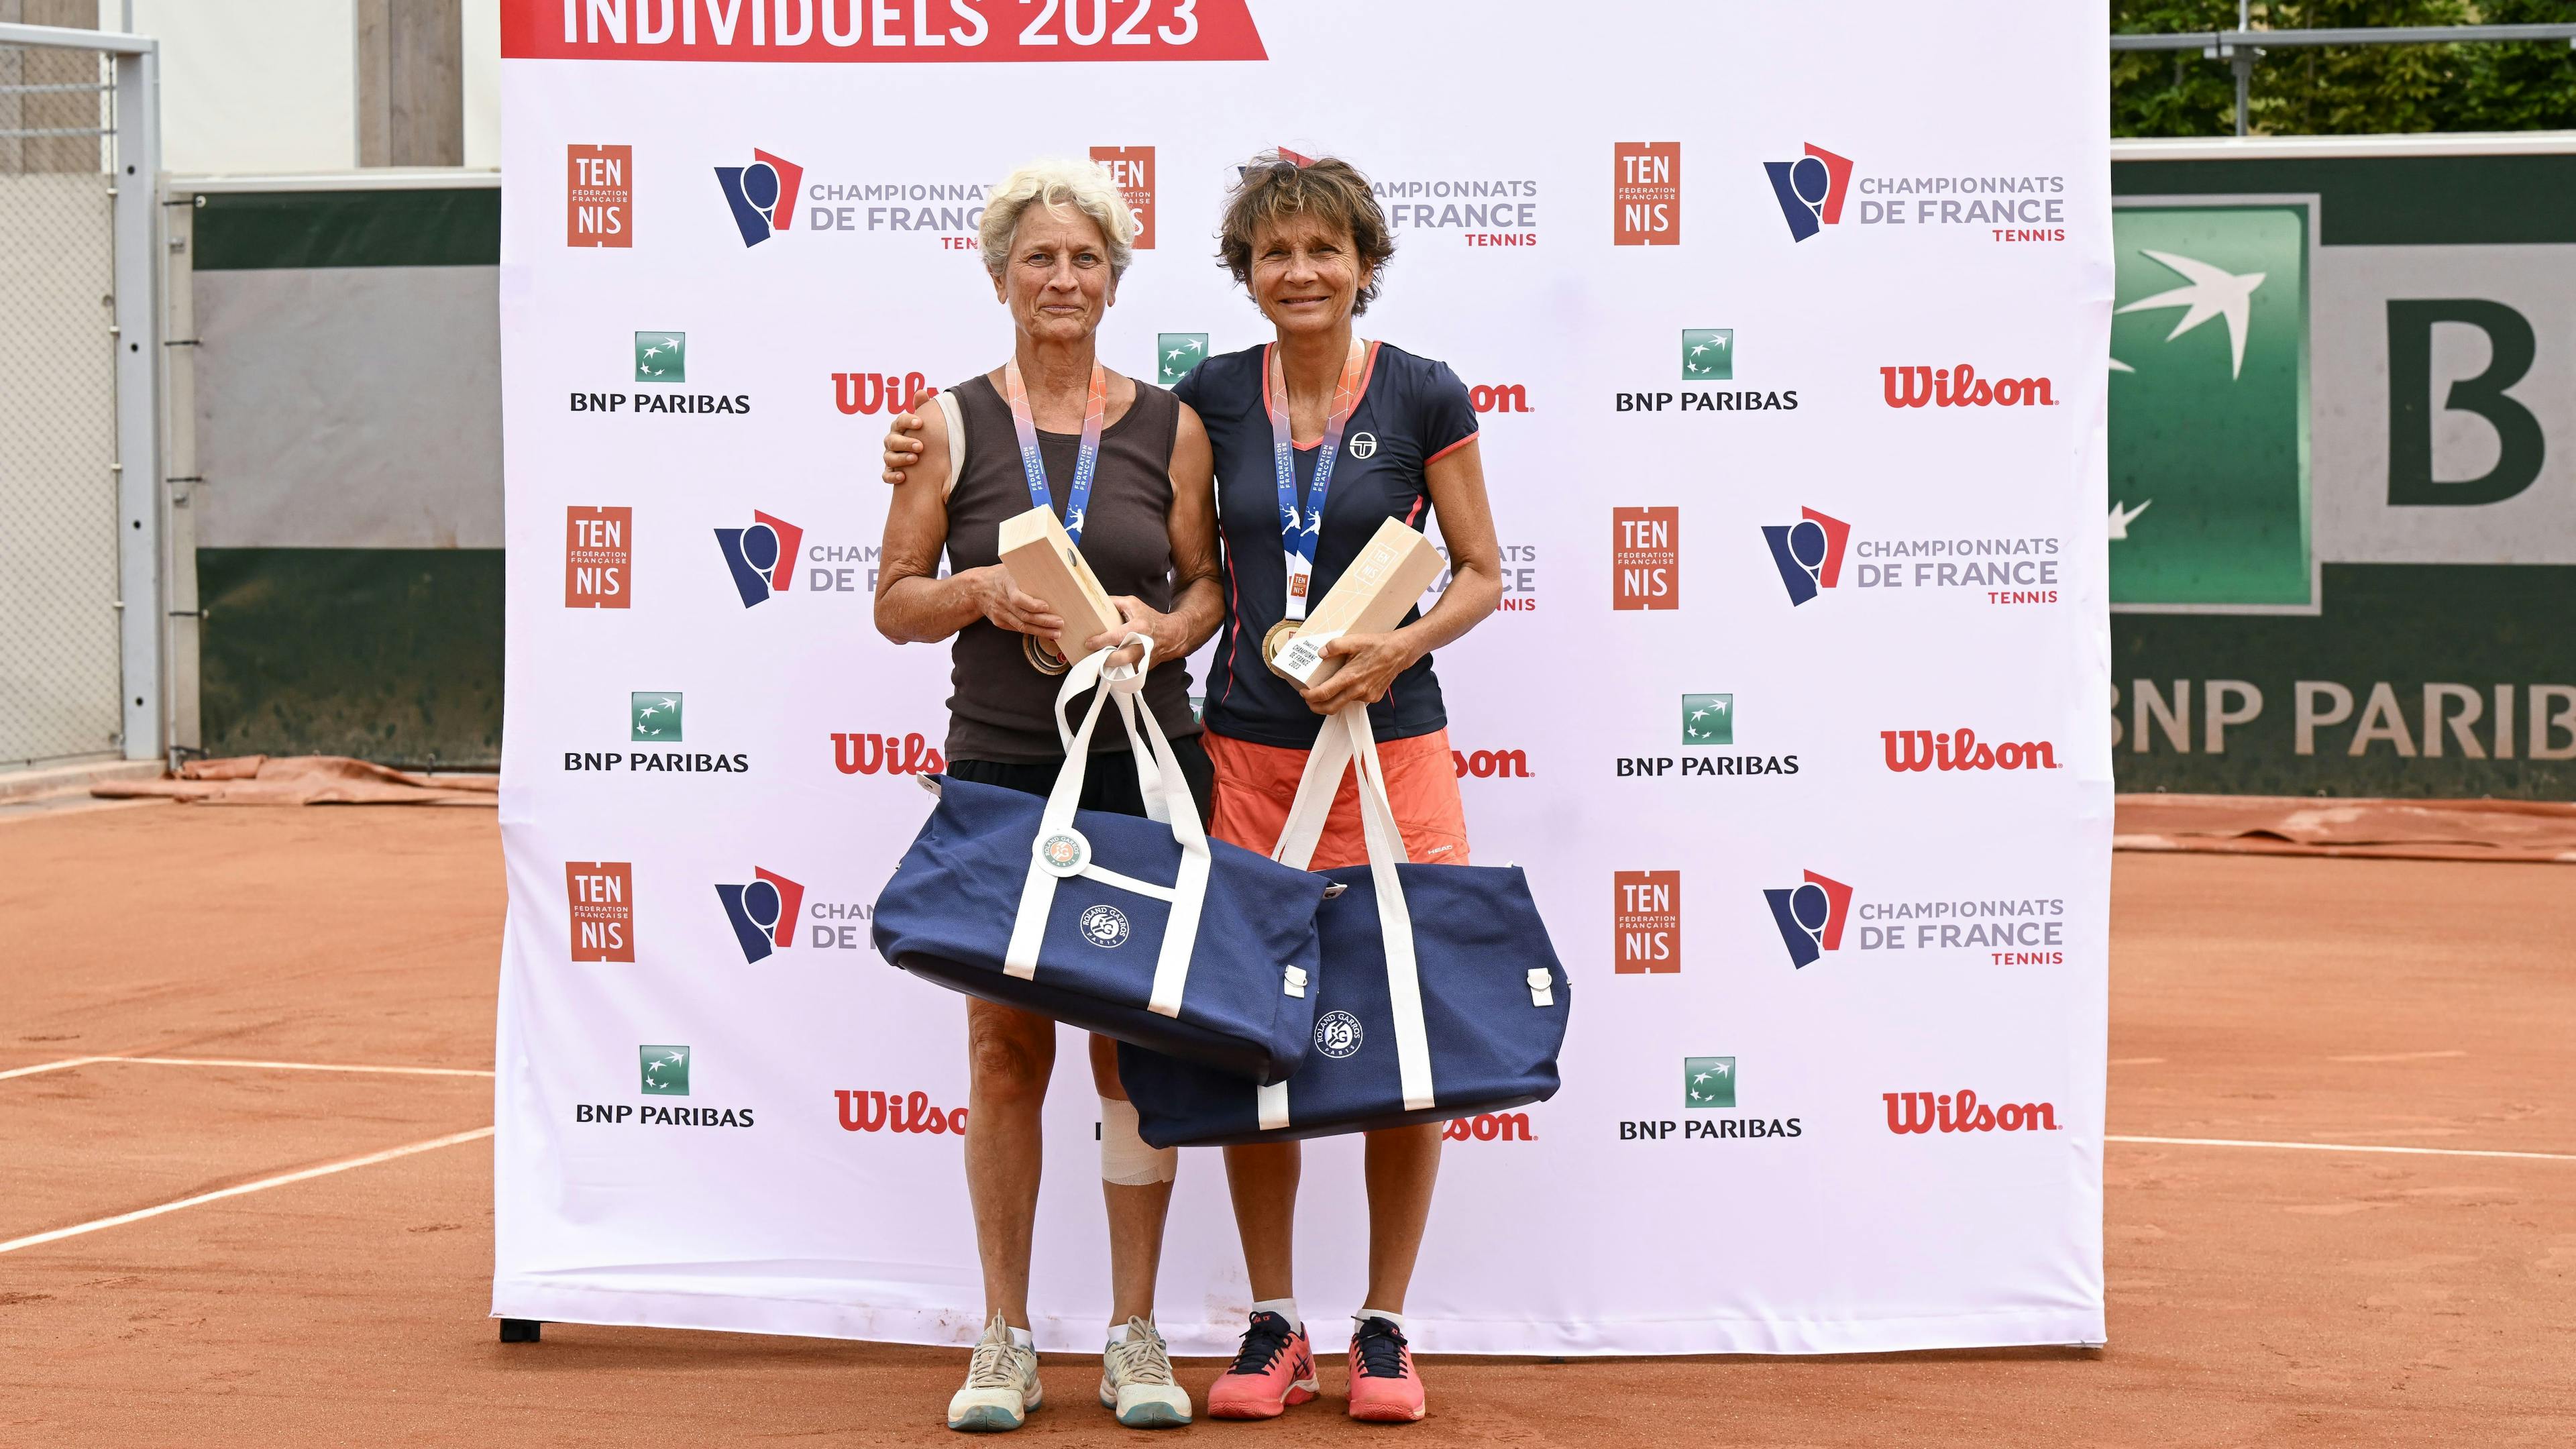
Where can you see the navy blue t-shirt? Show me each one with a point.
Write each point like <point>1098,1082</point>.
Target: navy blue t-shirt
<point>1411,411</point>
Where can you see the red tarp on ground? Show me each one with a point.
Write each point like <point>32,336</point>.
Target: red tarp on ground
<point>305,780</point>
<point>2532,830</point>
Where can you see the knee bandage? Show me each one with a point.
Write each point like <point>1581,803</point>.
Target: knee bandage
<point>1124,1158</point>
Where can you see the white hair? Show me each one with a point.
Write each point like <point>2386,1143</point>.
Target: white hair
<point>1085,185</point>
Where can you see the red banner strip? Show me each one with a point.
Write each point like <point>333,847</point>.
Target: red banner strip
<point>914,32</point>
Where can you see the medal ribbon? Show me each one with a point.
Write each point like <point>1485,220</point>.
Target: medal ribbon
<point>1033,463</point>
<point>1298,532</point>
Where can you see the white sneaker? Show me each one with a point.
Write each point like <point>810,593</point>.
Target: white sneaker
<point>1001,1384</point>
<point>1136,1380</point>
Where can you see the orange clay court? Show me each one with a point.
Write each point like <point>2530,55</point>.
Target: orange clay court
<point>2302,1290</point>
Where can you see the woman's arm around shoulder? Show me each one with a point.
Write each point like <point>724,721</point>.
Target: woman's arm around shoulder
<point>915,605</point>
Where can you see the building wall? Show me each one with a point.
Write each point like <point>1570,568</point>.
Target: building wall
<point>254,87</point>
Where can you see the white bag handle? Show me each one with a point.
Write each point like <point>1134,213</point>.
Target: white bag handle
<point>1060,851</point>
<point>1344,742</point>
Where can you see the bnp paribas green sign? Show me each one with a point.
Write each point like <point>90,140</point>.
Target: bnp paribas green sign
<point>2209,409</point>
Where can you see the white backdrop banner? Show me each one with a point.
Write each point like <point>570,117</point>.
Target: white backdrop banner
<point>1787,324</point>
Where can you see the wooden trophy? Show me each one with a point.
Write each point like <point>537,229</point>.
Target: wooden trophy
<point>1043,561</point>
<point>1370,597</point>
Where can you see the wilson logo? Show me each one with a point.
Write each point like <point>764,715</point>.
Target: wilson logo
<point>1962,1112</point>
<point>868,754</point>
<point>1492,764</point>
<point>1488,1127</point>
<point>1960,387</point>
<point>1511,398</point>
<point>897,1112</point>
<point>1961,750</point>
<point>872,392</point>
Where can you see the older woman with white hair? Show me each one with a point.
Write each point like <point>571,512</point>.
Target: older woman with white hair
<point>1126,466</point>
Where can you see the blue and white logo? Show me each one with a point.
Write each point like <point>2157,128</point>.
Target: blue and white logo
<point>1337,1034</point>
<point>1104,926</point>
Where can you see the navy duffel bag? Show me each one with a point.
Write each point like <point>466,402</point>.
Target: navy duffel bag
<point>1441,995</point>
<point>1064,912</point>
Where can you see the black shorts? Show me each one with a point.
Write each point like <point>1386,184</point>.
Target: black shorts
<point>1110,782</point>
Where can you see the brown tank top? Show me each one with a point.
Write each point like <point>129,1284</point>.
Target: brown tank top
<point>999,706</point>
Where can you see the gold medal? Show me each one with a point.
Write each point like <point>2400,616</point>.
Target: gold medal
<point>1043,655</point>
<point>1276,640</point>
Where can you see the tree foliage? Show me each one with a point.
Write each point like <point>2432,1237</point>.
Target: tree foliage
<point>2343,90</point>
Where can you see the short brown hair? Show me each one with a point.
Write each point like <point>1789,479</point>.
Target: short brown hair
<point>1331,189</point>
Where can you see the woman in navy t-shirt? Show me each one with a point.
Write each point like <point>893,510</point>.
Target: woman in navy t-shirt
<point>1307,240</point>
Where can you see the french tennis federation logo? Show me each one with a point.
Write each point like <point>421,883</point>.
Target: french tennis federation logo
<point>1645,558</point>
<point>1104,926</point>
<point>601,897</point>
<point>1337,1034</point>
<point>1811,189</point>
<point>1646,921</point>
<point>1131,170</point>
<point>762,558</point>
<point>1809,552</point>
<point>599,557</point>
<point>1646,193</point>
<point>762,195</point>
<point>1810,916</point>
<point>763,913</point>
<point>599,196</point>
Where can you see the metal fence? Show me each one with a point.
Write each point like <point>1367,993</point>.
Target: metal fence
<point>59,588</point>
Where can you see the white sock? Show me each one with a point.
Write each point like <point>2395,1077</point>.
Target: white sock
<point>1361,1318</point>
<point>1025,1339</point>
<point>1285,1308</point>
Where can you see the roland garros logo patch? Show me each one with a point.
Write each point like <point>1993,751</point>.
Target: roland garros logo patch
<point>1337,1034</point>
<point>1104,926</point>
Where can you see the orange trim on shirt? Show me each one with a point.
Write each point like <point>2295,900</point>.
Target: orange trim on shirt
<point>1453,447</point>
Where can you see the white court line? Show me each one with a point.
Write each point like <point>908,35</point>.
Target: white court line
<point>48,1067</point>
<point>68,1062</point>
<point>302,1066</point>
<point>265,1183</point>
<point>2346,1147</point>
<point>2400,1057</point>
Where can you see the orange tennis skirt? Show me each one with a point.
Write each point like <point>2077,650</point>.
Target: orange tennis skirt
<point>1255,784</point>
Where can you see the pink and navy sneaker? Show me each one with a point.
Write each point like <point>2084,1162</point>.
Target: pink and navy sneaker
<point>1384,1387</point>
<point>1275,1368</point>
